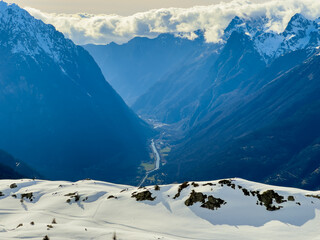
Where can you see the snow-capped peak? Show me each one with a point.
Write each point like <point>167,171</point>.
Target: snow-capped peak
<point>23,34</point>
<point>300,33</point>
<point>250,26</point>
<point>236,24</point>
<point>298,23</point>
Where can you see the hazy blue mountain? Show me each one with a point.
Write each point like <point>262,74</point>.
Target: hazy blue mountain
<point>257,110</point>
<point>273,135</point>
<point>132,68</point>
<point>57,112</point>
<point>190,93</point>
<point>174,98</point>
<point>183,96</point>
<point>177,95</point>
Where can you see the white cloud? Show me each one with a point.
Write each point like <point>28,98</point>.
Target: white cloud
<point>102,29</point>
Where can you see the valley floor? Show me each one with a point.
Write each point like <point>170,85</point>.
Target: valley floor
<point>157,162</point>
<point>33,209</point>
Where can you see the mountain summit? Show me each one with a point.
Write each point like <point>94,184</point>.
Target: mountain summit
<point>25,35</point>
<point>300,33</point>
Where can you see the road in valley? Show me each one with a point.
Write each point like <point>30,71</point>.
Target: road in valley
<point>157,164</point>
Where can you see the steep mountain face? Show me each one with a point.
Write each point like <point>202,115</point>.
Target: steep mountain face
<point>190,94</point>
<point>178,96</point>
<point>58,114</point>
<point>230,74</point>
<point>132,68</point>
<point>174,98</point>
<point>275,128</point>
<point>224,209</point>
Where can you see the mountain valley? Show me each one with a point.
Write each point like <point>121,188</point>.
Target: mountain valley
<point>250,100</point>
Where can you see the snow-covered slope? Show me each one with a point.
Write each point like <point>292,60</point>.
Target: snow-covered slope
<point>300,33</point>
<point>225,209</point>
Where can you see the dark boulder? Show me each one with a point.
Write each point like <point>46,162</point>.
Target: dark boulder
<point>213,203</point>
<point>195,197</point>
<point>143,196</point>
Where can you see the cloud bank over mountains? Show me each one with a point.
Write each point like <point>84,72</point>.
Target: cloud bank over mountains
<point>213,19</point>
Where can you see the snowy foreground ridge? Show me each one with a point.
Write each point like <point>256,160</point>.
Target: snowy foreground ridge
<point>216,210</point>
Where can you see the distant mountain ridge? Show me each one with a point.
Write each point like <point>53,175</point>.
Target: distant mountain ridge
<point>136,67</point>
<point>132,68</point>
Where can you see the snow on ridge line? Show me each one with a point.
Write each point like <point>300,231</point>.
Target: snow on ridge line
<point>236,180</point>
<point>88,209</point>
<point>32,37</point>
<point>300,33</point>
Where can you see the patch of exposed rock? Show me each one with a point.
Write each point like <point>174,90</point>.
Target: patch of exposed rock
<point>209,202</point>
<point>267,198</point>
<point>181,187</point>
<point>27,196</point>
<point>314,196</point>
<point>143,196</point>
